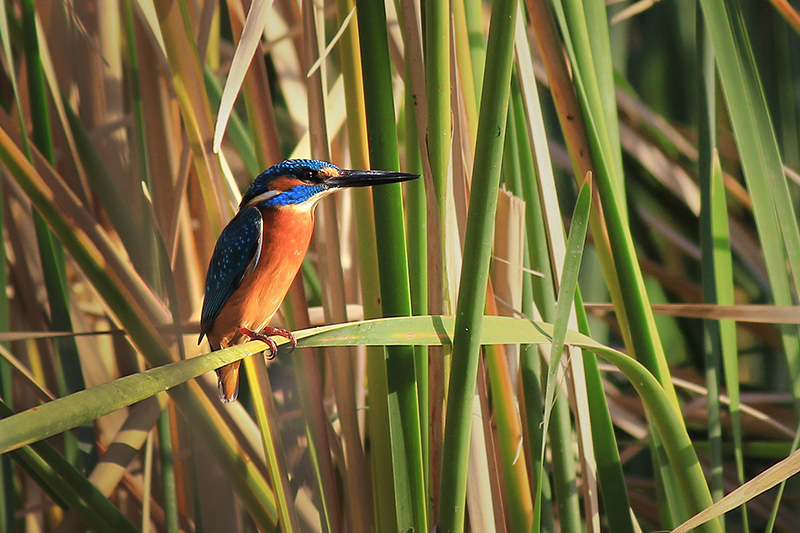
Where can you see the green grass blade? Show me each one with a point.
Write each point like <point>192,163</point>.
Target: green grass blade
<point>761,162</point>
<point>69,374</point>
<point>716,248</point>
<point>7,490</point>
<point>267,418</point>
<point>475,271</point>
<point>48,419</point>
<point>64,413</point>
<point>68,486</point>
<point>168,472</point>
<point>566,297</point>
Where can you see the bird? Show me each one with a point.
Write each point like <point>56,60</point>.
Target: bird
<point>260,251</point>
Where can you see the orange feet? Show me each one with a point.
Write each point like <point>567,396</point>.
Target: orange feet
<point>264,336</point>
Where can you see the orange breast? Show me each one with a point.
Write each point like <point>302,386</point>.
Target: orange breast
<point>287,234</point>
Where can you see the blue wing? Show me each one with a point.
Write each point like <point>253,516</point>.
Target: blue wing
<point>236,253</point>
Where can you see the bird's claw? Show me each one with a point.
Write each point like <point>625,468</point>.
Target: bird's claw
<point>264,335</point>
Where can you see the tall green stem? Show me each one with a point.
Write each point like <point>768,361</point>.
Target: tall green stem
<point>410,495</point>
<point>475,272</point>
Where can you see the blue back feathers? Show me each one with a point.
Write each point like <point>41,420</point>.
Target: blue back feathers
<point>293,168</point>
<point>237,250</point>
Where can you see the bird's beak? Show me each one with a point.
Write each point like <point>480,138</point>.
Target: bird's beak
<point>366,178</point>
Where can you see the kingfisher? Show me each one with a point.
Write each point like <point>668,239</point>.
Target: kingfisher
<point>260,251</point>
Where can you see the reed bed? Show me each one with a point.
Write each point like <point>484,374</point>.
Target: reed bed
<point>583,317</point>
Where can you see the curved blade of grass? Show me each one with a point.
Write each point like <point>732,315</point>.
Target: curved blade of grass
<point>68,486</point>
<point>86,405</point>
<point>55,417</point>
<point>566,298</point>
<point>245,50</point>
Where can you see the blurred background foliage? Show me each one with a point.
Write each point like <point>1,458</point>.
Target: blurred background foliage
<point>129,128</point>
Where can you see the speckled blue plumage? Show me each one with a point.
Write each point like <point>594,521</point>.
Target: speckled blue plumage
<point>237,247</point>
<point>260,185</point>
<point>296,195</point>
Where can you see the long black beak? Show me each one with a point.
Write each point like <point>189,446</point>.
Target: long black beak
<point>366,178</point>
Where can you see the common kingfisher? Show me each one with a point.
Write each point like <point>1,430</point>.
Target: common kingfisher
<point>259,252</point>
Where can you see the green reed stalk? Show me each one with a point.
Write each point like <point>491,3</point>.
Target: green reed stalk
<point>475,271</point>
<point>384,515</point>
<point>410,494</point>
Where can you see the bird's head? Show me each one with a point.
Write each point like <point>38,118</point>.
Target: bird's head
<point>303,182</point>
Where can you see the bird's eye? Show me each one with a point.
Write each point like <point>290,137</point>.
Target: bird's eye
<point>309,175</point>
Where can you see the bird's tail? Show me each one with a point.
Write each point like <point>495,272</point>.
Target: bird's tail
<point>228,382</point>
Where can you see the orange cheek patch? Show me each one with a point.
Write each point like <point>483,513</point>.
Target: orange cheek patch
<point>284,184</point>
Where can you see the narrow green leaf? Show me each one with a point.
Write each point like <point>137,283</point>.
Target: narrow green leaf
<point>64,413</point>
<point>168,473</point>
<point>50,419</point>
<point>69,374</point>
<point>68,486</point>
<point>566,298</point>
